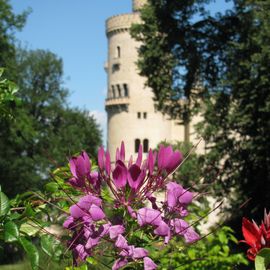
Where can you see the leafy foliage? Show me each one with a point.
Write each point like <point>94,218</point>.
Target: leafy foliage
<point>220,65</point>
<point>46,131</point>
<point>212,253</point>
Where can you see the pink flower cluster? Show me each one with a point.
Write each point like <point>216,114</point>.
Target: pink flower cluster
<point>133,186</point>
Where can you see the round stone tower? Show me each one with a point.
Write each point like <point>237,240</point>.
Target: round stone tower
<point>129,104</point>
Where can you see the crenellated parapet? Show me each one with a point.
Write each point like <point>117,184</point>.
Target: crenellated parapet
<point>121,22</point>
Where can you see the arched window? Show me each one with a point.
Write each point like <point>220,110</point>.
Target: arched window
<point>113,91</point>
<point>145,145</point>
<point>119,90</point>
<point>118,52</point>
<point>137,145</point>
<point>125,90</point>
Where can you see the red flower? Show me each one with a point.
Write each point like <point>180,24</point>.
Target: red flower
<point>257,237</point>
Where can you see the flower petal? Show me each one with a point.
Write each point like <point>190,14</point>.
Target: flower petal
<point>96,212</point>
<point>120,175</point>
<point>119,263</point>
<point>163,229</point>
<point>149,216</point>
<point>121,242</point>
<point>116,230</point>
<point>149,264</point>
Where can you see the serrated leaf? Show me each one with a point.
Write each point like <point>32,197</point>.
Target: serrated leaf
<point>31,251</point>
<point>11,232</point>
<point>262,260</point>
<point>4,204</point>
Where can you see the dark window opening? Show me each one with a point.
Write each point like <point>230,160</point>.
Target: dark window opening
<point>113,91</point>
<point>145,145</point>
<point>115,67</point>
<point>118,52</point>
<point>137,145</point>
<point>139,115</point>
<point>144,115</point>
<point>125,90</point>
<point>119,90</point>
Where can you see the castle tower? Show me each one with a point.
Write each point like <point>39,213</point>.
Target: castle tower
<point>129,104</point>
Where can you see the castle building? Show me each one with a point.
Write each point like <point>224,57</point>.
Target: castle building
<point>131,115</point>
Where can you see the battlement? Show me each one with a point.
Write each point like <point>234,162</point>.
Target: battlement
<point>121,22</point>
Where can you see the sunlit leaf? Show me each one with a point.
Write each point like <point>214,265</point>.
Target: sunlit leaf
<point>4,204</point>
<point>262,260</point>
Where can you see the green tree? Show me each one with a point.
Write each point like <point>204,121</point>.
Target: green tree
<point>9,23</point>
<point>45,131</point>
<point>222,61</point>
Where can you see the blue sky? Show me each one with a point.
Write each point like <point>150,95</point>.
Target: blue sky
<point>75,31</point>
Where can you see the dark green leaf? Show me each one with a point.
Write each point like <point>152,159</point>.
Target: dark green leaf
<point>11,232</point>
<point>31,252</point>
<point>50,245</point>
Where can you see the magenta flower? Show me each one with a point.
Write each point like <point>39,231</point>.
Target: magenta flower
<point>88,206</point>
<point>177,196</point>
<point>104,161</point>
<point>135,176</point>
<point>168,160</point>
<point>182,228</point>
<point>133,187</point>
<point>151,159</point>
<point>83,178</point>
<point>120,174</point>
<point>81,252</point>
<point>80,166</point>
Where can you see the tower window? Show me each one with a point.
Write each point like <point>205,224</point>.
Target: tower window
<point>118,52</point>
<point>137,145</point>
<point>138,115</point>
<point>145,145</point>
<point>125,90</point>
<point>113,91</point>
<point>144,115</point>
<point>119,90</point>
<point>115,67</point>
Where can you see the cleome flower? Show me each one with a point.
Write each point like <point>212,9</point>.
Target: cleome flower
<point>132,186</point>
<point>256,237</point>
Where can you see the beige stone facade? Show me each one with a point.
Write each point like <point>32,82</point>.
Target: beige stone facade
<point>129,104</point>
